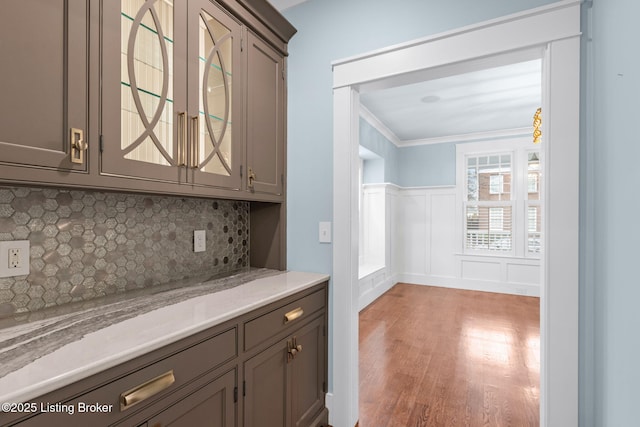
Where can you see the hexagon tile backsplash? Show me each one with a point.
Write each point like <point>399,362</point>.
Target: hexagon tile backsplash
<point>86,244</point>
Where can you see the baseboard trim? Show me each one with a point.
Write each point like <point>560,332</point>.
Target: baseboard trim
<point>374,293</point>
<point>471,285</point>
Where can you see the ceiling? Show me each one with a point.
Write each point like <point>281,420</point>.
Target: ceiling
<point>494,99</point>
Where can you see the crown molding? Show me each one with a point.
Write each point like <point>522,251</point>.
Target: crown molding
<point>370,118</point>
<point>379,126</point>
<point>467,137</point>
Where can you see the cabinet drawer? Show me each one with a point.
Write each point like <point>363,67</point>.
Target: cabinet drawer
<point>267,325</point>
<point>161,379</point>
<point>185,366</point>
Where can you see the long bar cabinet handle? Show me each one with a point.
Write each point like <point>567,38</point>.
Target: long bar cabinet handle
<point>144,391</point>
<point>182,138</point>
<point>195,146</point>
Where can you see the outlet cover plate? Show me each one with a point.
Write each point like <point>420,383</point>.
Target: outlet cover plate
<point>324,232</point>
<point>199,240</point>
<point>23,246</point>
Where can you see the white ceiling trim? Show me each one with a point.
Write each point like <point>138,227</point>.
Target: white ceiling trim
<point>379,126</point>
<point>392,61</point>
<point>475,136</point>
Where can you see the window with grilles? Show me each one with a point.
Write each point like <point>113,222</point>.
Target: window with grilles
<point>488,204</point>
<point>502,211</point>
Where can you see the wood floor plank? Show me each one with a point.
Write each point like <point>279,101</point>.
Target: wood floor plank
<point>444,357</point>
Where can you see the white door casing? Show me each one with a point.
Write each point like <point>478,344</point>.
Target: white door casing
<point>551,33</point>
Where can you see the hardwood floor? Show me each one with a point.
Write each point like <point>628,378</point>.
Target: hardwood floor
<point>444,357</point>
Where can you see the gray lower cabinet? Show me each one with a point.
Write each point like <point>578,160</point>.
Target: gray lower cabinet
<point>210,406</point>
<point>267,368</point>
<point>265,388</point>
<point>44,87</point>
<point>284,384</point>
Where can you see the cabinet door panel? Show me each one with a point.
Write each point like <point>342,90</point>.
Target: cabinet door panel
<point>210,406</point>
<point>307,391</point>
<point>215,96</point>
<point>141,92</point>
<point>265,118</point>
<point>266,378</point>
<point>43,46</point>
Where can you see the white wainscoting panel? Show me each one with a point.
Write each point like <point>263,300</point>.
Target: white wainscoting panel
<point>412,217</point>
<point>442,229</point>
<point>525,274</point>
<point>420,237</point>
<point>480,270</point>
<point>378,270</point>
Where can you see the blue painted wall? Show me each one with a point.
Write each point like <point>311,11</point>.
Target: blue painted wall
<point>373,171</point>
<point>428,165</point>
<point>374,141</point>
<point>419,166</point>
<point>613,95</point>
<point>329,30</point>
<point>610,149</point>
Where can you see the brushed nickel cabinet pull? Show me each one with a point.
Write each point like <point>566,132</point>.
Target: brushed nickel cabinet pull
<point>182,138</point>
<point>78,146</point>
<point>144,391</point>
<point>293,315</point>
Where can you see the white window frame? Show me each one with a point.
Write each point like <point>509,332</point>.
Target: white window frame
<point>496,187</point>
<point>518,148</point>
<point>535,187</point>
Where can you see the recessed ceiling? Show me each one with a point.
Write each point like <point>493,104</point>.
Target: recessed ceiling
<point>494,99</point>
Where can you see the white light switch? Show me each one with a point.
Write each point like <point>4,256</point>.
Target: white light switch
<point>199,240</point>
<point>324,231</point>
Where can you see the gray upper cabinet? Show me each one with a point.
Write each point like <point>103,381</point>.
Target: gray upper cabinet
<point>215,72</point>
<point>44,86</point>
<point>170,106</point>
<point>171,97</point>
<point>265,118</point>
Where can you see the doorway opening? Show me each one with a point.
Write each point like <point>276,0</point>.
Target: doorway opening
<point>454,202</point>
<point>551,34</point>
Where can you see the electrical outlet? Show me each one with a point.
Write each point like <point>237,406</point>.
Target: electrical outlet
<point>14,258</point>
<point>199,240</point>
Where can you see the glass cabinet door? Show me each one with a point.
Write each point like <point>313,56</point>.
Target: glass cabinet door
<point>214,92</point>
<point>144,119</point>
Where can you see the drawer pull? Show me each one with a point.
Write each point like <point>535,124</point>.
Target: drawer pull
<point>293,315</point>
<point>144,391</point>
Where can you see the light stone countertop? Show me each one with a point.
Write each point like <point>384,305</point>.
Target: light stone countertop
<point>43,354</point>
